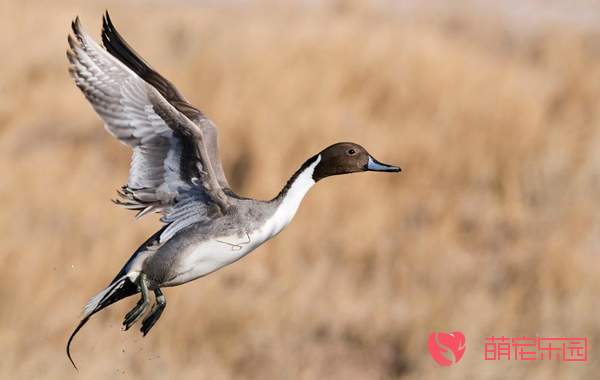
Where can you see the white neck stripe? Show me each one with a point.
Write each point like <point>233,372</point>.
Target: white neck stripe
<point>292,199</point>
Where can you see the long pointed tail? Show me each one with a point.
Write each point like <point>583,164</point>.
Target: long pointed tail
<point>121,287</point>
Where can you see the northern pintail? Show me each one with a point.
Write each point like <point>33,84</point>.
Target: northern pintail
<point>175,170</point>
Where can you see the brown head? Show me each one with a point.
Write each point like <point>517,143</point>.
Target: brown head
<point>346,157</point>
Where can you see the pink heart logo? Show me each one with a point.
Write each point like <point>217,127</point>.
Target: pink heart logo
<point>447,348</point>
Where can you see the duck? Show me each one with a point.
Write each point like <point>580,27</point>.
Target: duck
<point>176,171</point>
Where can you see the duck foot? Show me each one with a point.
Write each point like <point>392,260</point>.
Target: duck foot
<point>134,315</point>
<point>155,313</point>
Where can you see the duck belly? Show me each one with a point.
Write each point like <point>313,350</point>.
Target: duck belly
<point>206,257</point>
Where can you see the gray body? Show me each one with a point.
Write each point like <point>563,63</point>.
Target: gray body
<point>164,264</point>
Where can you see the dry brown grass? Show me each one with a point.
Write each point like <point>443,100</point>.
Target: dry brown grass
<point>493,227</point>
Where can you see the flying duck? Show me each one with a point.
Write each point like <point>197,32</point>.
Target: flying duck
<point>176,171</point>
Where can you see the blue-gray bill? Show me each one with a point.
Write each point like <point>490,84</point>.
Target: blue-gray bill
<point>376,166</point>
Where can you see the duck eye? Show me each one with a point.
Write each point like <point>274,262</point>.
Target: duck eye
<point>351,152</point>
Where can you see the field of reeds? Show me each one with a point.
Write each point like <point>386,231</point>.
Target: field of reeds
<point>492,228</point>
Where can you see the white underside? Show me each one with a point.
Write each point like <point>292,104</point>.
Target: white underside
<point>212,255</point>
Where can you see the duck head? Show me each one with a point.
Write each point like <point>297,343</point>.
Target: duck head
<point>346,157</point>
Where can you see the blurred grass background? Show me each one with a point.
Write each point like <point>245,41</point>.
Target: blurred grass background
<point>493,227</point>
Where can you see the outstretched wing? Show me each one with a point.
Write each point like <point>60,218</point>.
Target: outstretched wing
<point>170,169</point>
<point>120,49</point>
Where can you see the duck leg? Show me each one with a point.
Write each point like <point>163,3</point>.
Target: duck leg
<point>155,313</point>
<point>141,306</point>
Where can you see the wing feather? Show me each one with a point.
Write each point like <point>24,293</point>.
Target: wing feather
<point>170,170</point>
<point>116,45</point>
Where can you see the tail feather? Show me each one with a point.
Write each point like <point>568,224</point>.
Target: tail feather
<point>120,288</point>
<point>96,300</point>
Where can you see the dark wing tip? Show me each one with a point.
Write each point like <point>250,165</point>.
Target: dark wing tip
<point>107,25</point>
<point>116,45</point>
<point>106,21</point>
<point>76,25</point>
<point>110,35</point>
<point>77,32</point>
<point>72,52</point>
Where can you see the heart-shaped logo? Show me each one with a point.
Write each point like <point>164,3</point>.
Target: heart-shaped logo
<point>446,348</point>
